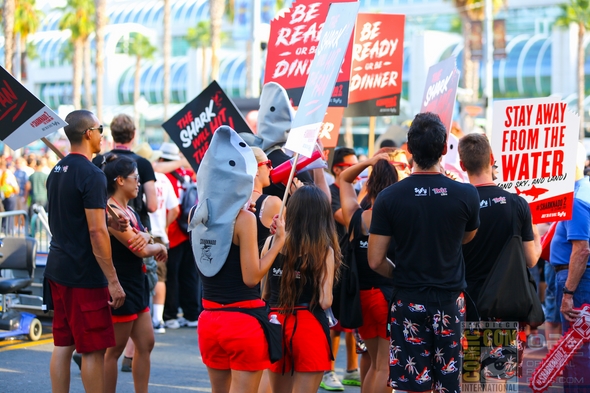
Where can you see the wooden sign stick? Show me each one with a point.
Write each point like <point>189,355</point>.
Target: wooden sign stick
<point>291,175</point>
<point>53,148</point>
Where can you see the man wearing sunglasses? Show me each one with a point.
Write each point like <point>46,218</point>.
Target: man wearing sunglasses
<point>79,275</point>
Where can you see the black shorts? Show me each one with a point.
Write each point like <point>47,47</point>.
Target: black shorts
<point>425,350</point>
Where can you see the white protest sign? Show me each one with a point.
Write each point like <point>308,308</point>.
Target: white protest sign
<point>534,144</point>
<point>334,40</point>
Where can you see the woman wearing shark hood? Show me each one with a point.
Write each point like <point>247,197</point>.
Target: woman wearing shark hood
<point>234,328</point>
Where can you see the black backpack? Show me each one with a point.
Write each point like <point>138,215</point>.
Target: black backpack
<point>189,199</point>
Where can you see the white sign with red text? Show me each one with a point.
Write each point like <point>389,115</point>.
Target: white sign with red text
<point>534,144</point>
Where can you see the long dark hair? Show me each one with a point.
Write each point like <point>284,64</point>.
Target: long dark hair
<point>115,166</point>
<point>310,231</point>
<point>382,176</point>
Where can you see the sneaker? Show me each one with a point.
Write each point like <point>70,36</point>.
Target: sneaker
<point>126,364</point>
<point>352,378</point>
<point>330,382</point>
<point>159,327</point>
<point>182,322</point>
<point>77,358</point>
<point>172,324</point>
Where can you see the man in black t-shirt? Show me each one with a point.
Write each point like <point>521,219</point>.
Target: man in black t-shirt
<point>79,270</point>
<point>123,132</point>
<point>495,216</point>
<point>344,157</point>
<point>429,216</point>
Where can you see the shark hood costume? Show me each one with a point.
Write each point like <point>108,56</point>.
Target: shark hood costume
<point>274,119</point>
<point>225,182</point>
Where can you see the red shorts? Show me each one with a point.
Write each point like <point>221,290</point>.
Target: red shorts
<point>338,328</point>
<point>375,314</point>
<point>82,317</point>
<point>128,318</point>
<point>310,351</point>
<point>232,340</point>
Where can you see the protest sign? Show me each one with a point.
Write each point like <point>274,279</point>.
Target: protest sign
<point>23,117</point>
<point>330,129</point>
<point>334,40</point>
<point>377,62</point>
<point>292,47</point>
<point>193,126</point>
<point>529,139</point>
<point>441,90</point>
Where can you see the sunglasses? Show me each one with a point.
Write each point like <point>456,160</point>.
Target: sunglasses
<point>268,164</point>
<point>344,165</point>
<point>403,165</point>
<point>99,128</point>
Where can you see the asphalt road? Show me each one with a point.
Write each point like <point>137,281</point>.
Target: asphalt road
<point>176,365</point>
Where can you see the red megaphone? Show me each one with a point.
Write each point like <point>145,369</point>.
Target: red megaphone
<point>281,173</point>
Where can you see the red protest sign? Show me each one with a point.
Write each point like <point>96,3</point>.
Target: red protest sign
<point>330,129</point>
<point>377,62</point>
<point>294,37</point>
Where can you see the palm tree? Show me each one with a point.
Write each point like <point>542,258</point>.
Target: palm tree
<point>26,21</point>
<point>101,22</point>
<point>8,13</point>
<point>78,18</point>
<point>216,11</point>
<point>577,12</point>
<point>200,37</point>
<point>140,47</point>
<point>167,54</point>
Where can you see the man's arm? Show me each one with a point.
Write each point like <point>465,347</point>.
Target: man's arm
<point>468,236</point>
<point>377,255</point>
<point>319,180</point>
<point>532,249</point>
<point>101,248</point>
<point>149,189</point>
<point>172,215</point>
<point>577,266</point>
<point>170,166</point>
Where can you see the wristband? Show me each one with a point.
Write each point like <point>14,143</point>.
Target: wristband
<point>567,291</point>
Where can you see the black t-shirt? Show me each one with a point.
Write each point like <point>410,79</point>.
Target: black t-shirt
<point>227,286</point>
<point>277,157</point>
<point>146,173</point>
<point>427,216</point>
<point>495,215</point>
<point>73,185</point>
<point>335,192</point>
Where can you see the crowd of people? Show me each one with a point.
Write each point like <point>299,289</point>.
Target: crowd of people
<point>258,280</point>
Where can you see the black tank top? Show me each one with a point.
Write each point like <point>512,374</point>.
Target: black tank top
<point>227,286</point>
<point>263,232</point>
<point>276,273</point>
<point>368,278</point>
<point>131,276</point>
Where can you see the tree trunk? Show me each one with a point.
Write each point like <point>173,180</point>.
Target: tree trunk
<point>467,62</point>
<point>23,58</point>
<point>77,73</point>
<point>581,95</point>
<point>167,56</point>
<point>136,92</point>
<point>101,21</point>
<point>216,9</point>
<point>87,75</point>
<point>8,16</point>
<point>204,78</point>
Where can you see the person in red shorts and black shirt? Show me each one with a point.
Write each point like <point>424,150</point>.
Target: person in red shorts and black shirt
<point>80,269</point>
<point>429,217</point>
